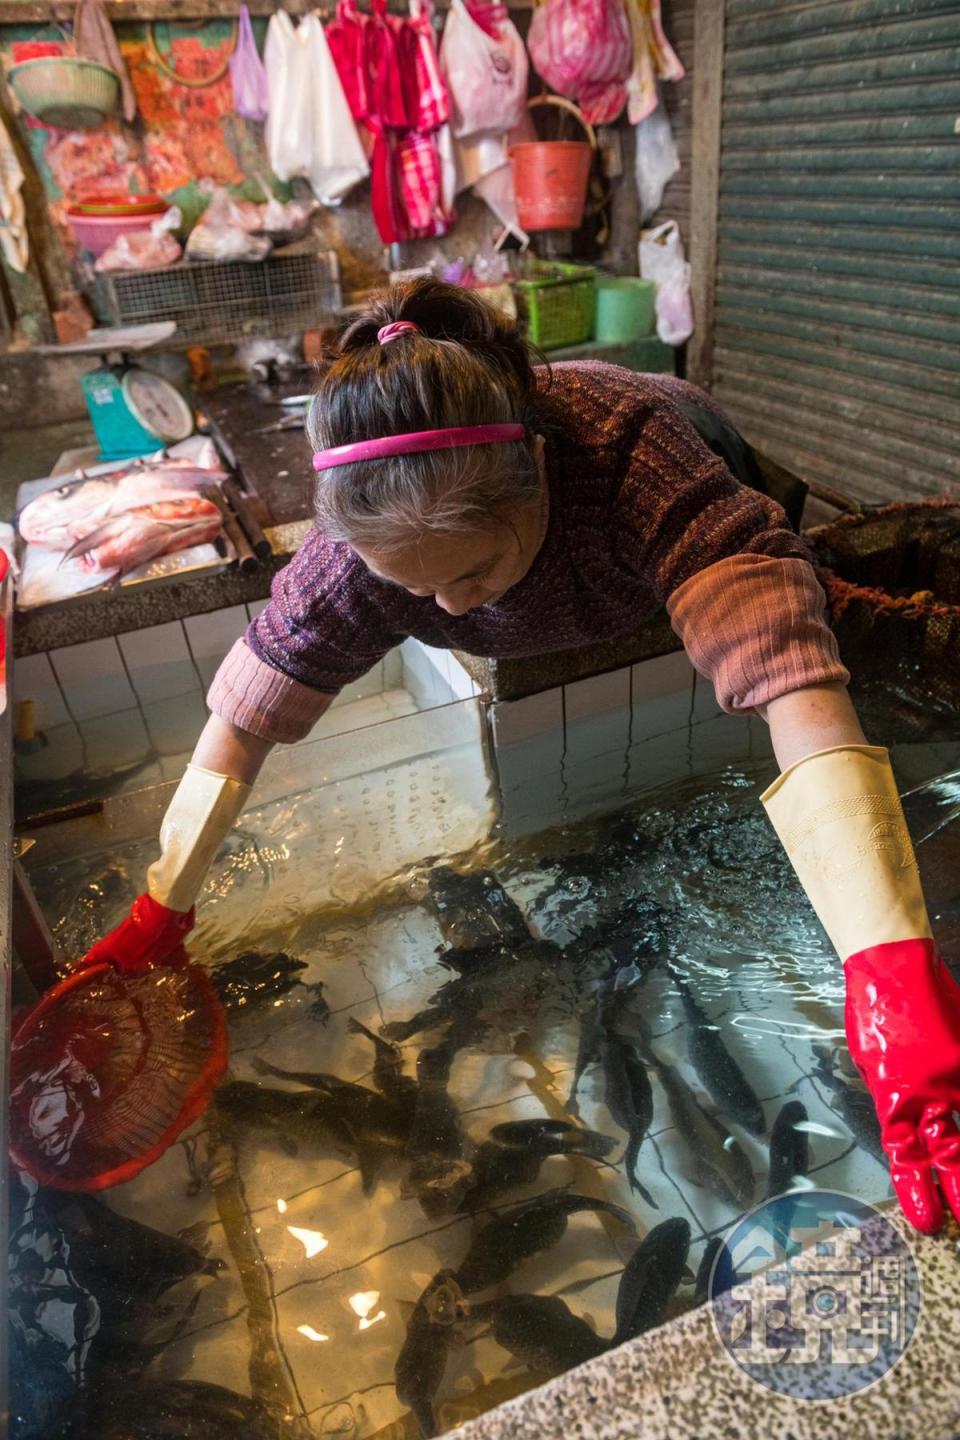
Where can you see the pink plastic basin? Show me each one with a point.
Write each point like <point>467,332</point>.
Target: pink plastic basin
<point>97,233</point>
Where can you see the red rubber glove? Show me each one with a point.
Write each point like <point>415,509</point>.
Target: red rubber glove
<point>150,935</point>
<point>903,1029</point>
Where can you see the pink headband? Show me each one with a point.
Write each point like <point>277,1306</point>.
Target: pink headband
<point>417,441</point>
<point>395,329</point>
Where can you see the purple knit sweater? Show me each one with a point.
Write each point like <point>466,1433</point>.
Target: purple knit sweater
<point>641,514</point>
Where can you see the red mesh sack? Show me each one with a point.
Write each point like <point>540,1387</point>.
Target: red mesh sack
<point>108,1069</point>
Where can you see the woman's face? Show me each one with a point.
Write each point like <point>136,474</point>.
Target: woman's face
<point>462,572</point>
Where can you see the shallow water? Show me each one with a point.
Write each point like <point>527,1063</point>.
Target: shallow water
<point>674,926</point>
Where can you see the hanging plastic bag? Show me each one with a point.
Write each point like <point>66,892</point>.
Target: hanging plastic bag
<point>485,74</point>
<point>657,161</point>
<point>662,260</point>
<point>251,94</point>
<point>310,130</point>
<point>584,49</point>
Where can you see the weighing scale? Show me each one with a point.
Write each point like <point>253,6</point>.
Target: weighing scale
<point>133,411</point>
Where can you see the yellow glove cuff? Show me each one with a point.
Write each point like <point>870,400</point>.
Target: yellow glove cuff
<point>199,817</point>
<point>839,818</point>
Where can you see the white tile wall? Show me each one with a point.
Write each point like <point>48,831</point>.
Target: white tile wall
<point>597,695</point>
<point>211,636</point>
<point>158,662</point>
<point>33,679</point>
<point>535,715</point>
<point>93,678</point>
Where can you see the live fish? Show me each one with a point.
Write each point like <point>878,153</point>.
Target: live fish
<point>119,1260</point>
<point>422,1360</point>
<point>388,1073</point>
<point>701,1291</point>
<point>629,1098</point>
<point>513,1237</point>
<point>349,1117</point>
<point>516,1150</point>
<point>253,978</point>
<point>589,1042</point>
<point>439,1173</point>
<point>852,1103</point>
<point>475,911</point>
<point>720,1159</point>
<point>651,1277</point>
<point>542,1331</point>
<point>501,994</point>
<point>177,1410</point>
<point>789,1149</point>
<point>716,1068</point>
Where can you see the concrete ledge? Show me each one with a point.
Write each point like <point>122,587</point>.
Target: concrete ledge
<point>527,675</point>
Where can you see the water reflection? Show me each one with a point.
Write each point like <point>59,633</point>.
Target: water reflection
<point>492,1126</point>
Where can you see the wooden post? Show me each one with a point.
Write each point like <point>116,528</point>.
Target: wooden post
<point>34,292</point>
<point>705,183</point>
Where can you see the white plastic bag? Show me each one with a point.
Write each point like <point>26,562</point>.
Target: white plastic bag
<point>248,77</point>
<point>310,130</point>
<point>150,249</point>
<point>656,162</point>
<point>486,76</point>
<point>225,231</point>
<point>661,260</point>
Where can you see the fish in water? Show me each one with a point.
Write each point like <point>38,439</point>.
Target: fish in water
<point>120,1261</point>
<point>350,1118</point>
<point>501,995</point>
<point>629,1098</point>
<point>789,1149</point>
<point>716,1068</point>
<point>474,911</point>
<point>589,1042</point>
<point>542,1331</point>
<point>505,1242</point>
<point>253,978</point>
<point>651,1277</point>
<point>701,1291</point>
<point>177,1410</point>
<point>719,1157</point>
<point>388,1073</point>
<point>423,1357</point>
<point>852,1102</point>
<point>516,1150</point>
<point>439,1172</point>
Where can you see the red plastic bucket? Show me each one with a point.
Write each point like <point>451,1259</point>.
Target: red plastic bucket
<point>550,179</point>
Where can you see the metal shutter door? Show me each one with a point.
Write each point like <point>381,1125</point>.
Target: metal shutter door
<point>837,322</point>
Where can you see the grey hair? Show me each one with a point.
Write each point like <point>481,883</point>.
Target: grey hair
<point>464,365</point>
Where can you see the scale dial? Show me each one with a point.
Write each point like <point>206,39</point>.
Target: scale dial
<point>157,405</point>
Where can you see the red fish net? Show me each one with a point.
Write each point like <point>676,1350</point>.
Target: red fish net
<point>108,1069</point>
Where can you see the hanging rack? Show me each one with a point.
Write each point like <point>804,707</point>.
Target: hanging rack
<point>39,12</point>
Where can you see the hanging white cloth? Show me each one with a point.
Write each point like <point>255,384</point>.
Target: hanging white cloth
<point>310,131</point>
<point>13,217</point>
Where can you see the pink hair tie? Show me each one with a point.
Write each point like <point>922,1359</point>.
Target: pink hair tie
<point>395,329</point>
<point>417,441</point>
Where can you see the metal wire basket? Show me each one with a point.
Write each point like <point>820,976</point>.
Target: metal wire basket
<point>223,302</point>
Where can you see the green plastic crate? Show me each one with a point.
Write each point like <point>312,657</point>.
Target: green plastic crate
<point>561,302</point>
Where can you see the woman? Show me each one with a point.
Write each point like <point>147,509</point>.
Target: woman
<point>476,503</point>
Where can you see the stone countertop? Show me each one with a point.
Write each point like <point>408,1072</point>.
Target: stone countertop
<point>678,1383</point>
<point>276,465</point>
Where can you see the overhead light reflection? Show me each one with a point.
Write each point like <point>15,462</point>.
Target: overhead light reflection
<point>282,1206</point>
<point>311,1240</point>
<point>310,1333</point>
